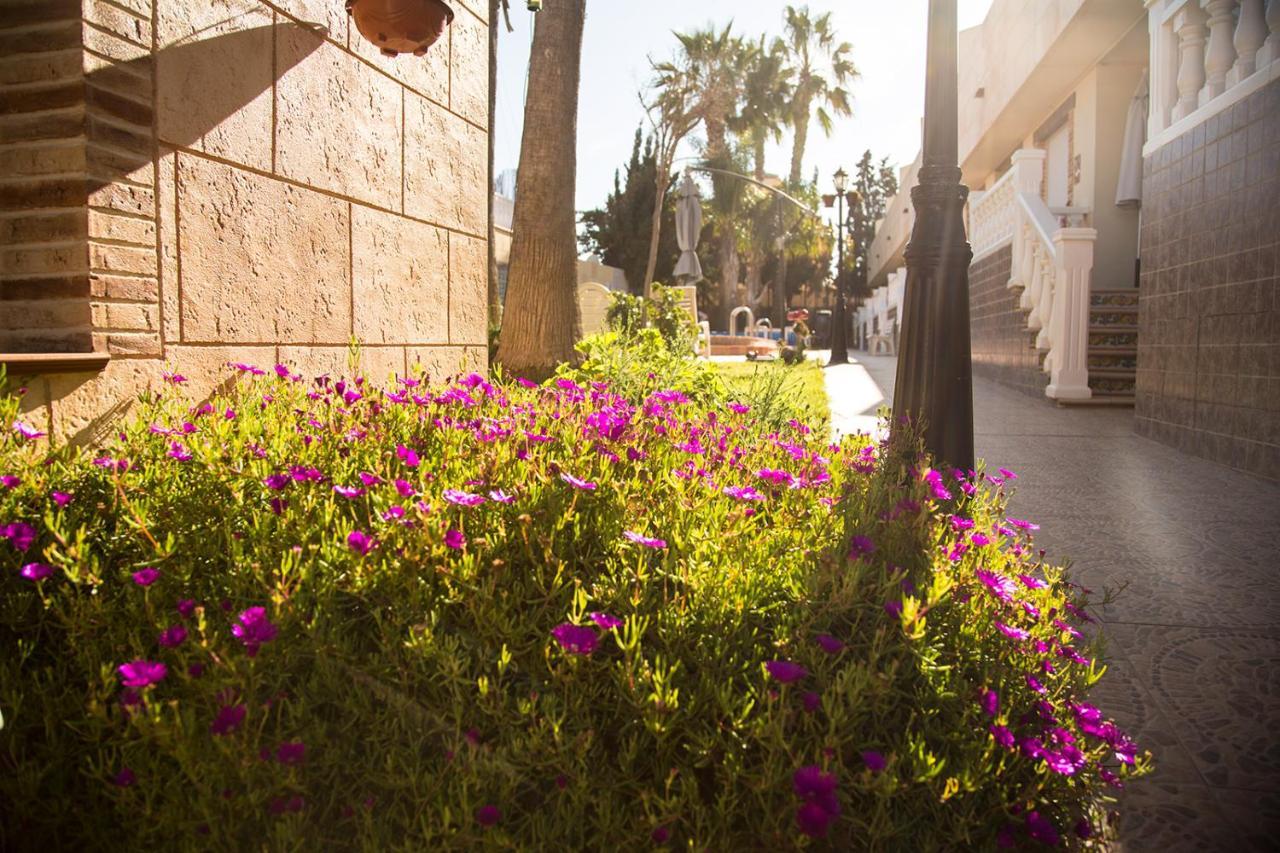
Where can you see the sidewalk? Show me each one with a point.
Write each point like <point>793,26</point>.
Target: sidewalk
<point>1194,637</point>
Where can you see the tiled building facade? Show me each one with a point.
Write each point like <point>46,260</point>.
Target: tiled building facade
<point>1209,304</point>
<point>191,182</point>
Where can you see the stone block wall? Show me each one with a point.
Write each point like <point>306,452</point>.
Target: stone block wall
<point>999,340</point>
<point>1209,304</point>
<point>189,182</point>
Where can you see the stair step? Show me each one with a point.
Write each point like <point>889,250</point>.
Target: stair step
<point>1100,399</point>
<point>1113,349</point>
<point>1112,372</point>
<point>1114,328</point>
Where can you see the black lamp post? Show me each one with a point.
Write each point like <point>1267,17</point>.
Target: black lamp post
<point>839,319</point>
<point>934,387</point>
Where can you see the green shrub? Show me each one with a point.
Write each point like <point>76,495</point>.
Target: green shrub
<point>628,315</point>
<point>325,615</point>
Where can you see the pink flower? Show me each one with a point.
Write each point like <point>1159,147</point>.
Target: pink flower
<point>785,671</point>
<point>454,539</point>
<point>488,815</point>
<point>811,700</point>
<point>36,571</point>
<point>499,496</point>
<point>830,644</point>
<point>585,485</point>
<point>254,629</point>
<point>461,498</point>
<point>291,752</point>
<point>228,719</point>
<point>1031,582</point>
<point>20,535</point>
<point>575,639</point>
<point>605,621</point>
<point>360,542</point>
<point>349,492</point>
<point>860,547</point>
<point>743,493</point>
<point>1011,632</point>
<point>179,452</point>
<point>186,607</point>
<point>10,481</point>
<point>405,489</point>
<point>60,498</point>
<point>172,636</point>
<point>875,761</point>
<point>146,577</point>
<point>27,431</point>
<point>141,673</point>
<point>407,456</point>
<point>646,541</point>
<point>998,585</point>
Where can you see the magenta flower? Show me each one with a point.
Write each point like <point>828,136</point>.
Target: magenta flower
<point>660,835</point>
<point>172,636</point>
<point>461,498</point>
<point>36,571</point>
<point>405,489</point>
<point>830,644</point>
<point>20,535</point>
<point>27,431</point>
<point>778,477</point>
<point>1031,582</point>
<point>488,815</point>
<point>813,820</point>
<point>454,539</point>
<point>739,408</point>
<point>860,547</point>
<point>1002,735</point>
<point>10,481</point>
<point>811,700</point>
<point>228,719</point>
<point>743,493</point>
<point>1023,525</point>
<point>499,496</point>
<point>937,486</point>
<point>407,455</point>
<point>785,671</point>
<point>998,585</point>
<point>605,621</point>
<point>585,485</point>
<point>875,761</point>
<point>979,539</point>
<point>276,482</point>
<point>821,805</point>
<point>646,541</point>
<point>1042,830</point>
<point>179,452</point>
<point>349,492</point>
<point>1011,632</point>
<point>146,577</point>
<point>990,702</point>
<point>125,778</point>
<point>186,607</point>
<point>254,629</point>
<point>360,542</point>
<point>60,498</point>
<point>291,752</point>
<point>1034,684</point>
<point>141,673</point>
<point>575,639</point>
<point>1007,474</point>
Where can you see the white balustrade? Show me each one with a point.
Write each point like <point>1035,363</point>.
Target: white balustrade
<point>1205,56</point>
<point>1068,359</point>
<point>1251,33</point>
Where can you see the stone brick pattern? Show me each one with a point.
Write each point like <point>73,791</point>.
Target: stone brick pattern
<point>235,180</point>
<point>1000,344</point>
<point>1209,305</point>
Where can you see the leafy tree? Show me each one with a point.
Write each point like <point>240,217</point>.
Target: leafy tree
<point>766,96</point>
<point>619,234</point>
<point>876,183</point>
<point>821,69</point>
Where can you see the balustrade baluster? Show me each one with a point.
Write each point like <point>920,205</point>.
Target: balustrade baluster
<point>1271,48</point>
<point>1251,32</point>
<point>1189,24</point>
<point>1220,54</point>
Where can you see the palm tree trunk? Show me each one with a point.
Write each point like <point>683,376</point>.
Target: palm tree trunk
<point>655,226</point>
<point>800,124</point>
<point>541,320</point>
<point>758,155</point>
<point>728,271</point>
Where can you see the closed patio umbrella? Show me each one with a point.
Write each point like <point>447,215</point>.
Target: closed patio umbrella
<point>1129,185</point>
<point>688,229</point>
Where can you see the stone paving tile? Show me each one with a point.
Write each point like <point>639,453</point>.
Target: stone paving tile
<point>1193,639</point>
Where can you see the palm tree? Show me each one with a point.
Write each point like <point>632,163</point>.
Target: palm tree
<point>766,97</point>
<point>821,68</point>
<point>497,9</point>
<point>669,109</point>
<point>541,319</point>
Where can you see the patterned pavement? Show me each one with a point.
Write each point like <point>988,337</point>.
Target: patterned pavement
<point>1194,629</point>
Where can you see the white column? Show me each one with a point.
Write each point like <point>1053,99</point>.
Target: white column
<point>1189,24</point>
<point>1069,359</point>
<point>1251,32</point>
<point>1271,49</point>
<point>1220,55</point>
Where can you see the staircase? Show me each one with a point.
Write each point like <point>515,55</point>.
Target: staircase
<point>1113,346</point>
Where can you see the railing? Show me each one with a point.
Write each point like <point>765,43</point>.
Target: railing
<point>1051,261</point>
<point>1205,56</point>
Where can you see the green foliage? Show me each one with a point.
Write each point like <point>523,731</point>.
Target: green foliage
<point>619,233</point>
<point>628,314</point>
<point>402,687</point>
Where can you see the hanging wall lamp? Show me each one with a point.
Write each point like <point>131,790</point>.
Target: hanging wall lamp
<point>401,26</point>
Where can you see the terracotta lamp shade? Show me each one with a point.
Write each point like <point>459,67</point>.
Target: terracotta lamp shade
<point>401,26</point>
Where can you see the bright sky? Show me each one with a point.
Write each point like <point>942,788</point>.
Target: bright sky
<point>888,48</point>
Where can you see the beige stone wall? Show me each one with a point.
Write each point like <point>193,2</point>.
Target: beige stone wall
<point>259,184</point>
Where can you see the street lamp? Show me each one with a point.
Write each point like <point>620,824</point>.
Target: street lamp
<point>934,387</point>
<point>839,320</point>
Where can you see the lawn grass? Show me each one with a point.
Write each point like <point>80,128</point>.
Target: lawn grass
<point>800,383</point>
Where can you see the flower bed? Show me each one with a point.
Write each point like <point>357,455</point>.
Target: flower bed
<point>474,614</point>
